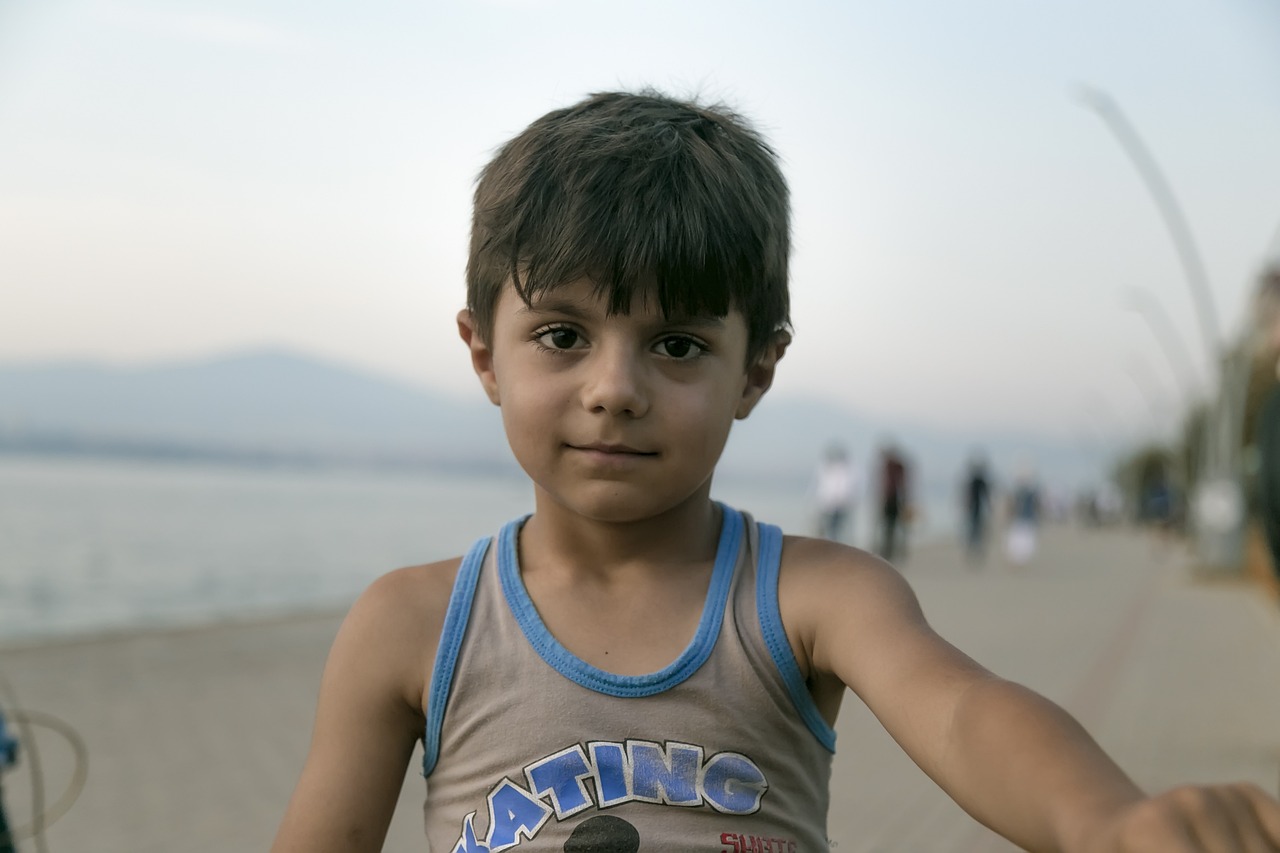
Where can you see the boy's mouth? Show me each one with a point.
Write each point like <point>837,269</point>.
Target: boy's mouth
<point>612,449</point>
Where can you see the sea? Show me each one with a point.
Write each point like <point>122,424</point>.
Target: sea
<point>91,545</point>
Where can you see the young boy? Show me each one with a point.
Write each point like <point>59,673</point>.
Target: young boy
<point>634,666</point>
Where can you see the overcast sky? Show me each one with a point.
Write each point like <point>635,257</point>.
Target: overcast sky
<point>181,179</point>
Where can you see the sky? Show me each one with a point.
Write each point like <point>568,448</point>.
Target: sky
<point>183,179</point>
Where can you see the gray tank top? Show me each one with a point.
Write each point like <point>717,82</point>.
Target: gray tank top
<point>528,746</point>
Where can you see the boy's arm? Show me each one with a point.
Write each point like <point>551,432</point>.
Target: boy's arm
<point>1011,758</point>
<point>369,715</point>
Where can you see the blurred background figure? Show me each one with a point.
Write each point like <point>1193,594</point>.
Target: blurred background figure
<point>1267,434</point>
<point>1110,503</point>
<point>1024,518</point>
<point>1158,502</point>
<point>894,502</point>
<point>976,507</point>
<point>837,494</point>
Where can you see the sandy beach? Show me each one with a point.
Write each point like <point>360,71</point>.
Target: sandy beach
<point>195,737</point>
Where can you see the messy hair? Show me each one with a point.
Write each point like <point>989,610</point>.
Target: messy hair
<point>644,195</point>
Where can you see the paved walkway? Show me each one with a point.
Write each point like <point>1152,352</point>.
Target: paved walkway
<point>1178,679</point>
<point>195,738</point>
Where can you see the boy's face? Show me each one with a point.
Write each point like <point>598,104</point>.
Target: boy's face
<point>617,418</point>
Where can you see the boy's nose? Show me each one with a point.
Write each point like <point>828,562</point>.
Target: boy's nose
<point>615,384</point>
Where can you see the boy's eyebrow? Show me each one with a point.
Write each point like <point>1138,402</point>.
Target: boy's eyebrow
<point>576,310</point>
<point>555,306</point>
<point>702,321</point>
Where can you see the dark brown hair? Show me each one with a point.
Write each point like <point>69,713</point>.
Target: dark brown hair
<point>636,191</point>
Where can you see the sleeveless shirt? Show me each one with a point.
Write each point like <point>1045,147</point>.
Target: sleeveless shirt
<point>528,746</point>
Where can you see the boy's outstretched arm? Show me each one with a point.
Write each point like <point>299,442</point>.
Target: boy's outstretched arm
<point>368,717</point>
<point>1011,758</point>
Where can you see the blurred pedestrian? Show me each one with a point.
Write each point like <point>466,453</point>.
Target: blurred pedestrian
<point>837,494</point>
<point>894,503</point>
<point>976,493</point>
<point>1024,519</point>
<point>1157,508</point>
<point>1110,503</point>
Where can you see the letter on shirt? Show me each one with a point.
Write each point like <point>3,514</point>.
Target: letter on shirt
<point>733,784</point>
<point>667,776</point>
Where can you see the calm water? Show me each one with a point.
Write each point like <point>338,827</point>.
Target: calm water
<point>91,545</point>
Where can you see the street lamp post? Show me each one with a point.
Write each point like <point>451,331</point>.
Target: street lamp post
<point>1173,347</point>
<point>1109,111</point>
<point>1144,380</point>
<point>1218,499</point>
<point>1180,365</point>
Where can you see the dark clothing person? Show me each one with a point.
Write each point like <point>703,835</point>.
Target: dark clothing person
<point>977,504</point>
<point>1158,504</point>
<point>1026,504</point>
<point>893,503</point>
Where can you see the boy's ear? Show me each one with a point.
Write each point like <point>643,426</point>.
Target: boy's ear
<point>481,354</point>
<point>760,373</point>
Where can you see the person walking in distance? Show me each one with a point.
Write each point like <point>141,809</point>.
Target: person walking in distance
<point>1025,509</point>
<point>976,505</point>
<point>893,502</point>
<point>837,488</point>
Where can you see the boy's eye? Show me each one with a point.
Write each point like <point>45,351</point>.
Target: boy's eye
<point>559,338</point>
<point>680,348</point>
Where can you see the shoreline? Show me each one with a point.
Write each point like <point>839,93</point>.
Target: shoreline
<point>924,549</point>
<point>127,633</point>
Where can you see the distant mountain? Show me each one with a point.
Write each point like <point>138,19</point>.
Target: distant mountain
<point>280,406</point>
<point>255,404</point>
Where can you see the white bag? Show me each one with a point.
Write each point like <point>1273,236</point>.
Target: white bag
<point>1021,544</point>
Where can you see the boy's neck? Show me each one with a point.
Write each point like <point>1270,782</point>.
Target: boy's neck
<point>688,532</point>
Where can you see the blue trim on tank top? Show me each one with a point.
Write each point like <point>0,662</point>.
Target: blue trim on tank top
<point>610,684</point>
<point>775,636</point>
<point>455,628</point>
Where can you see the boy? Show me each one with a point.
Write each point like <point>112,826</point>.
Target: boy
<point>635,666</point>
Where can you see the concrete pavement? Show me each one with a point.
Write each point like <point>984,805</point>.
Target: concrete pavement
<point>1178,679</point>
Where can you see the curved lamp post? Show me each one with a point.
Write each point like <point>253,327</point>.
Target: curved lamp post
<point>1218,503</point>
<point>1109,111</point>
<point>1144,379</point>
<point>1175,351</point>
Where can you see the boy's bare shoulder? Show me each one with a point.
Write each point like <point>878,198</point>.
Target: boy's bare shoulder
<point>394,626</point>
<point>843,608</point>
<point>818,564</point>
<point>423,581</point>
<point>413,597</point>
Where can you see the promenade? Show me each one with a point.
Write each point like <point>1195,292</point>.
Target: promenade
<point>195,738</point>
